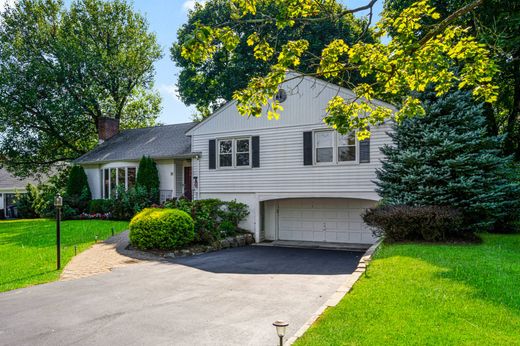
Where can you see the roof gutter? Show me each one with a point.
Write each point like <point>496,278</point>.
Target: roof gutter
<point>174,157</point>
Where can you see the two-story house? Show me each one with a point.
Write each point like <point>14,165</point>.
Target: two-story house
<point>301,180</point>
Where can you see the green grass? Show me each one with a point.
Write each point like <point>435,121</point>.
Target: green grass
<point>422,294</point>
<point>28,248</point>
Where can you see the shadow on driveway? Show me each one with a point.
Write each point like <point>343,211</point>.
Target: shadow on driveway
<point>274,260</point>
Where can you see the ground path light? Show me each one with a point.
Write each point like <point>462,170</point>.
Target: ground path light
<point>280,329</point>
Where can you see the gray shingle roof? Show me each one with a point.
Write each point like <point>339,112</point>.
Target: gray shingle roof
<point>9,181</point>
<point>167,141</point>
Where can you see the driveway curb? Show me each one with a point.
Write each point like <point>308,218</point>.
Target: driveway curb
<point>336,297</point>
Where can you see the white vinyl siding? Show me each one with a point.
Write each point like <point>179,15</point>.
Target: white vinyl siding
<point>282,169</point>
<point>281,149</point>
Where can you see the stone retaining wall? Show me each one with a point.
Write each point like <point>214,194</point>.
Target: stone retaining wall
<point>229,242</point>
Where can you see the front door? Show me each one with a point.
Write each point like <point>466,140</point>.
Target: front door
<point>187,182</point>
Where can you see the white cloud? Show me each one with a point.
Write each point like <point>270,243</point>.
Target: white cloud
<point>189,4</point>
<point>4,3</point>
<point>171,91</point>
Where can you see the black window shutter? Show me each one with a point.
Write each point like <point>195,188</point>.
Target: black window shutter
<point>255,144</point>
<point>364,151</point>
<point>212,152</point>
<point>307,148</point>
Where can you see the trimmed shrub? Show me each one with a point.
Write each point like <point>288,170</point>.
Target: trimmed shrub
<point>164,229</point>
<point>403,222</point>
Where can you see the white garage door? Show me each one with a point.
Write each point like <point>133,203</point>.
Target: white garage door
<point>327,220</point>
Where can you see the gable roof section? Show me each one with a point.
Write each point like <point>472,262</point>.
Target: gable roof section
<point>290,75</point>
<point>167,141</point>
<point>9,181</point>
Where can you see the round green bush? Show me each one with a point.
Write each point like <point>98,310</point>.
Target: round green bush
<point>165,229</point>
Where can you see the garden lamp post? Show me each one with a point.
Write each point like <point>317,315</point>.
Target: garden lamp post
<point>58,203</point>
<point>280,329</point>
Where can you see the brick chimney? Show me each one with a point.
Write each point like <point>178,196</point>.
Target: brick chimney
<point>107,128</point>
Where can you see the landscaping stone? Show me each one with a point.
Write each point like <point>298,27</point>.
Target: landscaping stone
<point>225,243</point>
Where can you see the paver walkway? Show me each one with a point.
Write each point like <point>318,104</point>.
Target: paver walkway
<point>102,258</point>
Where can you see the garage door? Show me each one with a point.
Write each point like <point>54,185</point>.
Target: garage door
<point>324,220</point>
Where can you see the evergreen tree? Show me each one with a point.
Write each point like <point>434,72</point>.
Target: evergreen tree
<point>447,158</point>
<point>77,191</point>
<point>148,177</point>
<point>77,184</point>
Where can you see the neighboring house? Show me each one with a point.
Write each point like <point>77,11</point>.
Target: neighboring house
<point>301,180</point>
<point>9,187</point>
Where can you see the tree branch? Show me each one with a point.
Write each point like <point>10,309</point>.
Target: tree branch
<point>437,29</point>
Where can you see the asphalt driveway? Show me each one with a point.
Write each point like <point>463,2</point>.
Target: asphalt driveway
<point>229,297</point>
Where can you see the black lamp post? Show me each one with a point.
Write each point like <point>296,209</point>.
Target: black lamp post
<point>280,329</point>
<point>58,203</point>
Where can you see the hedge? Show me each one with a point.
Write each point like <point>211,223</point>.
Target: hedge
<point>165,229</point>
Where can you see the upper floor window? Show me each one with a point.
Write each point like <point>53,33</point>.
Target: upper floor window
<point>324,146</point>
<point>347,147</point>
<point>234,152</point>
<point>332,147</point>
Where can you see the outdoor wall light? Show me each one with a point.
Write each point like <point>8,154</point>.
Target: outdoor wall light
<point>280,329</point>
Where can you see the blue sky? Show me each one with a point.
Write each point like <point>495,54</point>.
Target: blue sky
<point>165,17</point>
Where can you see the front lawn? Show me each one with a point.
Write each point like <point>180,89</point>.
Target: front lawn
<point>421,294</point>
<point>28,247</point>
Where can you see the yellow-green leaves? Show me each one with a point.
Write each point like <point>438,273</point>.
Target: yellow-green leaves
<point>440,56</point>
<point>333,58</point>
<point>262,49</point>
<point>291,53</point>
<point>206,41</point>
<point>349,115</point>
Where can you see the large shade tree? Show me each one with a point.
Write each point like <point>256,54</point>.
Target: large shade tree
<point>495,23</point>
<point>445,56</point>
<point>61,70</point>
<point>210,83</point>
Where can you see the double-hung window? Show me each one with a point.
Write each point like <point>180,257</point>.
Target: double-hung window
<point>225,151</point>
<point>332,147</point>
<point>234,152</point>
<point>347,147</point>
<point>324,146</point>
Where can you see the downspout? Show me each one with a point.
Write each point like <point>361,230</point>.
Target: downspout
<point>198,175</point>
